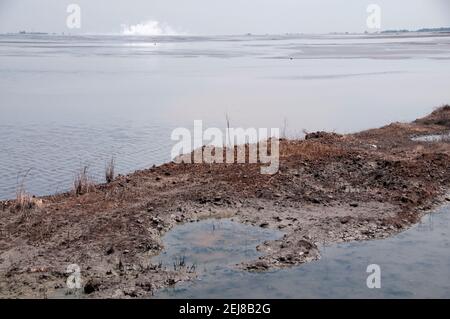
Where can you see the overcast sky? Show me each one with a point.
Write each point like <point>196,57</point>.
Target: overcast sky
<point>224,16</point>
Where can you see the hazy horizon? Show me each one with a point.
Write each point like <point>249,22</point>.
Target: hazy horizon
<point>204,17</point>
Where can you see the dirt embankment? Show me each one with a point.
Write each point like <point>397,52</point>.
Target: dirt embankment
<point>330,188</point>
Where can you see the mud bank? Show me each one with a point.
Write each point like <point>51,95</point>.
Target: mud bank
<point>330,188</point>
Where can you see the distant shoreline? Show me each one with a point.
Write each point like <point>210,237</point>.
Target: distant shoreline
<point>440,30</point>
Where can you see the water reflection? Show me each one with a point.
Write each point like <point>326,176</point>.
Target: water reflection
<point>432,138</point>
<point>414,264</point>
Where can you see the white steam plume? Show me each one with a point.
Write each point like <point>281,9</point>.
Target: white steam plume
<point>149,28</point>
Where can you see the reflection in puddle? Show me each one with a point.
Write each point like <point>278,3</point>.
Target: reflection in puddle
<point>414,264</point>
<point>213,245</point>
<point>432,138</point>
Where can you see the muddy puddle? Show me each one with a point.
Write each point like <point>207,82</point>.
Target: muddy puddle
<point>414,264</point>
<point>212,247</point>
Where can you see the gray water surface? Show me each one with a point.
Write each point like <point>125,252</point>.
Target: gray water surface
<point>73,101</point>
<point>414,264</point>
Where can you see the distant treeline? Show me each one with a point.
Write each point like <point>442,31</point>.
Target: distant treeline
<point>443,29</point>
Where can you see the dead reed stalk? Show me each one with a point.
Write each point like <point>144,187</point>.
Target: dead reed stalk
<point>109,170</point>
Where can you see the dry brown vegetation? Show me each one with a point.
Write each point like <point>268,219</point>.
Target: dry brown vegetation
<point>24,201</point>
<point>310,149</point>
<point>82,183</point>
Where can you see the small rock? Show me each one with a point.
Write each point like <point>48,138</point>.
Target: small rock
<point>264,225</point>
<point>145,285</point>
<point>404,199</point>
<point>130,292</point>
<point>91,286</point>
<point>260,265</point>
<point>171,281</point>
<point>354,204</point>
<point>110,250</point>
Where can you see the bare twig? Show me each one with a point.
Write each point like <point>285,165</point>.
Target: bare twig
<point>228,129</point>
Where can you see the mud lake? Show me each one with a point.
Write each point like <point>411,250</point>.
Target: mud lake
<point>414,264</point>
<point>74,101</point>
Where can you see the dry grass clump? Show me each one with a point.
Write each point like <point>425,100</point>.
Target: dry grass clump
<point>25,201</point>
<point>82,183</point>
<point>109,170</point>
